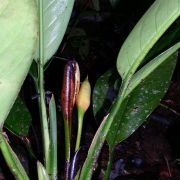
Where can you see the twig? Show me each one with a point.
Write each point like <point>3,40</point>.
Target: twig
<point>168,167</point>
<point>170,109</point>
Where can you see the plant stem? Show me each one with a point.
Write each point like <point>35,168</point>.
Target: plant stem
<point>170,109</point>
<point>42,105</point>
<point>43,116</point>
<point>101,133</point>
<point>11,159</point>
<point>80,124</point>
<point>67,140</point>
<point>67,132</point>
<point>109,166</point>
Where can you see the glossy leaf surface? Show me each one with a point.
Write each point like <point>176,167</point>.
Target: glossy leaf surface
<point>149,68</point>
<point>104,93</point>
<point>104,84</point>
<point>143,99</point>
<point>169,38</point>
<point>18,37</point>
<point>56,17</point>
<point>109,128</point>
<point>19,119</point>
<point>148,30</point>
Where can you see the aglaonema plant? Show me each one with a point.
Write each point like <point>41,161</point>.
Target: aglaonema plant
<point>141,90</point>
<point>38,28</point>
<point>34,31</point>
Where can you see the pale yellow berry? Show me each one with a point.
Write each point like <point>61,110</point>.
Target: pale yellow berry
<point>84,96</point>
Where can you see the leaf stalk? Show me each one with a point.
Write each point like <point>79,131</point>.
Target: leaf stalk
<point>42,105</point>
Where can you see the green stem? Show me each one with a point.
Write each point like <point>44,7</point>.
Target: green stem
<point>11,159</point>
<point>102,132</point>
<point>67,130</point>
<point>170,109</point>
<point>80,124</point>
<point>42,105</point>
<point>67,140</point>
<point>109,166</point>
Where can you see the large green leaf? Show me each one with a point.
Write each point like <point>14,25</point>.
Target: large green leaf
<point>110,127</point>
<point>145,91</point>
<point>18,37</point>
<point>145,34</point>
<point>107,86</point>
<point>149,68</point>
<point>19,119</point>
<point>56,17</point>
<point>170,37</point>
<point>148,30</point>
<point>137,111</point>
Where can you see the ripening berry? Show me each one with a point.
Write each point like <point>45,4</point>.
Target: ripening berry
<point>83,98</point>
<point>70,89</point>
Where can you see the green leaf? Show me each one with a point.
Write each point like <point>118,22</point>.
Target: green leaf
<point>144,93</point>
<point>34,71</point>
<point>145,34</point>
<point>149,68</point>
<point>94,151</point>
<point>19,119</point>
<point>170,37</point>
<point>112,124</point>
<point>11,159</point>
<point>52,156</point>
<point>56,17</point>
<point>114,2</point>
<point>104,93</point>
<point>105,88</point>
<point>148,30</point>
<point>42,174</point>
<point>18,37</point>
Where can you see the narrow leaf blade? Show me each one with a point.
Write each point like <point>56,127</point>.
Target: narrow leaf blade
<point>11,159</point>
<point>150,67</point>
<point>42,174</point>
<point>52,156</point>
